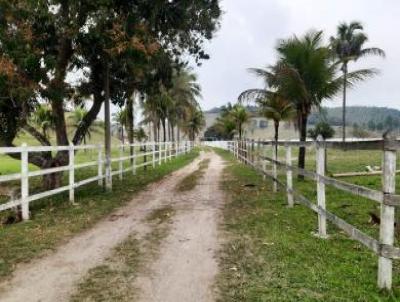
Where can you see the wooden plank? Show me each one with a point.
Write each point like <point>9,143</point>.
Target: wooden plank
<point>321,199</point>
<point>10,205</point>
<point>386,230</point>
<point>24,182</point>
<point>289,176</point>
<point>10,177</point>
<point>371,173</point>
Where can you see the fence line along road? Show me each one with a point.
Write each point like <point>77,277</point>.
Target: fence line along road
<point>246,152</point>
<point>158,152</point>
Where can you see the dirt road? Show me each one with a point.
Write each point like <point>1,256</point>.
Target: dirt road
<point>186,265</point>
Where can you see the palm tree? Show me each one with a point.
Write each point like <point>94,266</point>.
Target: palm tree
<point>278,109</point>
<point>77,117</point>
<point>43,119</point>
<point>305,74</point>
<point>240,116</point>
<point>120,119</point>
<point>195,122</point>
<point>348,46</point>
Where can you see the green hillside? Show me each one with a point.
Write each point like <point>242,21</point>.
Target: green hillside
<point>362,115</point>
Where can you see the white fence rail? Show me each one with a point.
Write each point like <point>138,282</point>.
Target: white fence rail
<point>253,153</point>
<point>150,153</point>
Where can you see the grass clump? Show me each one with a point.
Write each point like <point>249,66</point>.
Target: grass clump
<point>190,181</point>
<point>271,255</point>
<point>54,219</point>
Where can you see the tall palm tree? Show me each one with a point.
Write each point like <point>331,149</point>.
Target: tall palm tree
<point>240,116</point>
<point>348,45</point>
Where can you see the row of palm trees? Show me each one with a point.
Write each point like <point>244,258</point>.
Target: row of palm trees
<point>307,72</point>
<point>170,111</point>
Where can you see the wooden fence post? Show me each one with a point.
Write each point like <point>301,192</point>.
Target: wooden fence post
<point>289,176</point>
<point>264,161</point>
<point>275,166</point>
<point>71,170</point>
<point>386,231</point>
<point>121,163</point>
<point>320,156</point>
<point>100,165</point>
<point>24,182</point>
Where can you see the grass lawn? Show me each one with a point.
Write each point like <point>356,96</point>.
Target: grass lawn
<point>54,220</point>
<point>271,254</point>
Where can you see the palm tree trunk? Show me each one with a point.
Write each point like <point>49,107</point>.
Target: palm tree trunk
<point>179,134</point>
<point>164,131</point>
<point>240,131</point>
<point>276,126</point>
<point>303,137</point>
<point>344,102</point>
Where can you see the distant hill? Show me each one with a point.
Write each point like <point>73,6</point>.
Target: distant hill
<point>371,117</point>
<point>360,115</point>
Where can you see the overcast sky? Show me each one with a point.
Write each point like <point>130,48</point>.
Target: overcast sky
<point>250,30</point>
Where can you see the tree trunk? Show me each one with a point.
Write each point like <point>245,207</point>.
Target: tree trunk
<point>178,134</point>
<point>276,126</point>
<point>164,131</point>
<point>129,125</point>
<point>303,137</point>
<point>344,102</point>
<point>107,123</point>
<point>240,131</point>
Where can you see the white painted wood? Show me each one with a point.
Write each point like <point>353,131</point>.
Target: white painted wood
<point>154,155</point>
<point>24,182</point>
<point>386,231</point>
<point>320,157</point>
<point>134,161</point>
<point>121,162</point>
<point>289,177</point>
<point>108,174</point>
<point>159,153</point>
<point>9,177</point>
<point>71,153</point>
<point>275,168</point>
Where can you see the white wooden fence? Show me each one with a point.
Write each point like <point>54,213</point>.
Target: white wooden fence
<point>254,153</point>
<point>151,153</point>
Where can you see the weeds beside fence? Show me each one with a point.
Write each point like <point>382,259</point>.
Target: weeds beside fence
<point>140,155</point>
<point>254,153</point>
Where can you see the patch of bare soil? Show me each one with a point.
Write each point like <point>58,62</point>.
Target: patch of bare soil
<point>53,278</point>
<point>186,267</point>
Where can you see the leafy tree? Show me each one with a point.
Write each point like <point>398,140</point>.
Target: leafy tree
<point>348,45</point>
<point>110,41</point>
